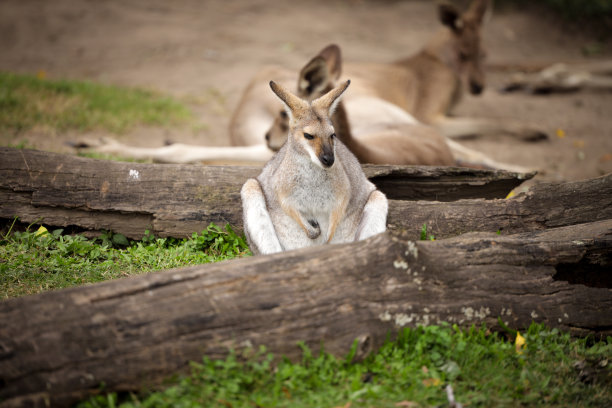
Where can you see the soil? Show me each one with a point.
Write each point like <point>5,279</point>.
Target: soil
<point>205,52</point>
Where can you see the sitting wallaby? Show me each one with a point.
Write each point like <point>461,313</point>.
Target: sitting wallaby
<point>313,191</point>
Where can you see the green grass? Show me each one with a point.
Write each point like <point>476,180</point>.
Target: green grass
<point>484,370</point>
<point>28,102</point>
<point>111,157</point>
<point>32,262</point>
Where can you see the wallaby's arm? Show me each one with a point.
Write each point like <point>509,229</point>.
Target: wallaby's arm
<point>374,216</point>
<point>257,223</point>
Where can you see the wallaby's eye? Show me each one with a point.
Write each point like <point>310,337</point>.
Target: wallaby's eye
<point>308,136</point>
<point>284,114</point>
<point>333,135</point>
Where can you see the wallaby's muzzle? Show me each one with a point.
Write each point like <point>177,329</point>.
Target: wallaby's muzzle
<point>327,157</point>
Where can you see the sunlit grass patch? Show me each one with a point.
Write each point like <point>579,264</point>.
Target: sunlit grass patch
<point>28,102</point>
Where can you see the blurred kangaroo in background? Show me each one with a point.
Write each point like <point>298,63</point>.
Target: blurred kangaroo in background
<point>391,101</point>
<point>374,130</point>
<point>313,191</point>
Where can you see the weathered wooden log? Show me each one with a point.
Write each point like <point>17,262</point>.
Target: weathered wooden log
<point>544,206</point>
<point>177,200</point>
<point>174,200</point>
<point>60,346</point>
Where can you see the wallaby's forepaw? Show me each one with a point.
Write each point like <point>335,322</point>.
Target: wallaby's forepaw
<point>313,230</point>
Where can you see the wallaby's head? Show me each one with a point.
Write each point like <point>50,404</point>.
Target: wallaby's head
<point>310,130</point>
<point>316,78</point>
<point>465,53</point>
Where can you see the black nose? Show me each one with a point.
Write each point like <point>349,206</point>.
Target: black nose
<point>267,136</point>
<point>327,160</point>
<point>476,88</point>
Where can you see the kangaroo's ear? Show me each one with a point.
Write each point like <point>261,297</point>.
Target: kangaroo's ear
<point>320,73</point>
<point>314,78</point>
<point>294,106</point>
<point>477,10</point>
<point>450,17</point>
<point>328,102</point>
<point>333,58</point>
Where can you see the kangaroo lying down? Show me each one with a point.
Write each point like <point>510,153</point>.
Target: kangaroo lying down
<point>392,107</point>
<point>374,129</point>
<point>313,191</point>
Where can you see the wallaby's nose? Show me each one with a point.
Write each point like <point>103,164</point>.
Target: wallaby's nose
<point>476,88</point>
<point>327,159</point>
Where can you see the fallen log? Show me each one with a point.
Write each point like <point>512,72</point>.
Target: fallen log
<point>61,346</point>
<point>547,205</point>
<point>177,200</point>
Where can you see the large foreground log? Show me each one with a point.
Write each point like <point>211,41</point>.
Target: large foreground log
<point>177,200</point>
<point>60,346</point>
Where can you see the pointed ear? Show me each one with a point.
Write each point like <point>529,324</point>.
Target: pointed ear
<point>321,72</point>
<point>450,17</point>
<point>333,58</point>
<point>328,102</point>
<point>293,105</point>
<point>477,10</point>
<point>314,77</point>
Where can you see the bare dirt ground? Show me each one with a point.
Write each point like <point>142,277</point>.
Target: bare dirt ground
<point>205,52</point>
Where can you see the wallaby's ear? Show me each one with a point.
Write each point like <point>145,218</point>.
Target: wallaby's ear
<point>294,105</point>
<point>450,17</point>
<point>328,102</point>
<point>320,72</point>
<point>313,78</point>
<point>333,57</point>
<point>477,10</point>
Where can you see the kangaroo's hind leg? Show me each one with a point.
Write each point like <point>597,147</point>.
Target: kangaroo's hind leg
<point>374,217</point>
<point>258,226</point>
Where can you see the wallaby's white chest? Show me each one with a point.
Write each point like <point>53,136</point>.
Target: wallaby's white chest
<point>315,191</point>
<point>317,195</point>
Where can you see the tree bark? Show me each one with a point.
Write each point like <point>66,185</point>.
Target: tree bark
<point>177,200</point>
<point>544,206</point>
<point>60,346</point>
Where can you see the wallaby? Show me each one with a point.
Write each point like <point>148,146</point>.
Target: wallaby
<point>313,191</point>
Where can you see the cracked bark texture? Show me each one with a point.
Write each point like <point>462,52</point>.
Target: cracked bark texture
<point>57,345</point>
<point>544,206</point>
<point>177,200</point>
